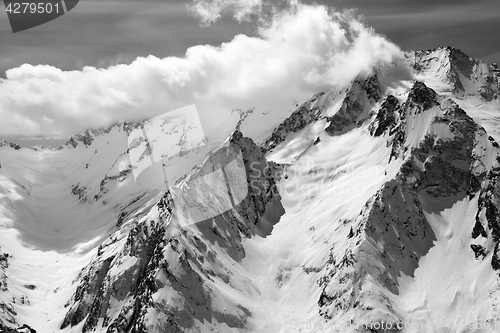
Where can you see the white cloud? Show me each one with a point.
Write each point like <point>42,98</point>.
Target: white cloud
<point>303,50</point>
<point>209,11</point>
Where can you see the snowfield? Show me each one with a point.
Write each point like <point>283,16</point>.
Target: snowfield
<point>370,208</point>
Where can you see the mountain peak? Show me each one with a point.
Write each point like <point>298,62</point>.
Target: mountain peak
<point>464,74</point>
<point>353,213</point>
<point>422,96</point>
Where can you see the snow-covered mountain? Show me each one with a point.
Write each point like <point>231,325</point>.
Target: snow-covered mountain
<point>369,208</point>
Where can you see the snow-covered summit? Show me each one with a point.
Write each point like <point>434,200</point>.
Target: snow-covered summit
<point>467,76</point>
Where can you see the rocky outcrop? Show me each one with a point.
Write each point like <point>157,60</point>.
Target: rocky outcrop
<point>120,177</point>
<point>261,179</point>
<point>7,309</point>
<point>356,106</point>
<point>466,75</point>
<point>88,136</point>
<point>387,118</point>
<point>15,146</point>
<point>127,275</point>
<point>305,114</point>
<point>391,233</point>
<point>486,232</point>
<point>4,264</point>
<point>21,329</point>
<point>80,192</point>
<point>420,98</point>
<point>354,109</point>
<point>154,275</point>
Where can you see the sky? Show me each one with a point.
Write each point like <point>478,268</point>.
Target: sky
<point>101,33</point>
<point>79,64</point>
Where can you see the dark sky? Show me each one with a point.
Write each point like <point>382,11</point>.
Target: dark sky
<point>105,32</point>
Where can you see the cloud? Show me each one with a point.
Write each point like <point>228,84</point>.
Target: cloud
<point>300,51</point>
<point>209,11</point>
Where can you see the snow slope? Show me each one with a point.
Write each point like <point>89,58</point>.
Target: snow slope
<point>372,208</point>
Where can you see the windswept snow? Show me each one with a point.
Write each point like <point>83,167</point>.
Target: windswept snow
<point>52,223</point>
<point>450,291</point>
<point>369,205</point>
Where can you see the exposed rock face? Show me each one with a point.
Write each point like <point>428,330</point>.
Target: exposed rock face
<point>421,98</point>
<point>15,146</point>
<point>354,109</point>
<point>4,263</point>
<point>120,177</point>
<point>391,233</point>
<point>157,280</point>
<point>465,74</point>
<point>8,311</point>
<point>261,176</point>
<point>89,135</point>
<point>21,329</point>
<point>307,113</point>
<point>388,117</point>
<point>356,106</point>
<point>80,192</point>
<point>86,138</point>
<point>487,228</point>
<point>156,274</point>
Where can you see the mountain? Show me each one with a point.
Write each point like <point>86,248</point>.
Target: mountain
<point>369,208</point>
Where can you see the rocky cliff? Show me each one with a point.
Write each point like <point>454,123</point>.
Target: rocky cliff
<point>154,275</point>
<point>385,211</point>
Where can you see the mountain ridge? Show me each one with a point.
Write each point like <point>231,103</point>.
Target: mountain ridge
<point>348,201</point>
